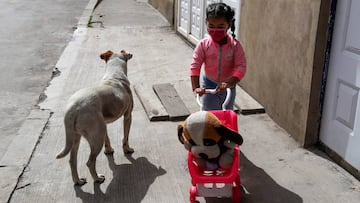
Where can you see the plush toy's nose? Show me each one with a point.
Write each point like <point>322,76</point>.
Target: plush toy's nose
<point>204,156</point>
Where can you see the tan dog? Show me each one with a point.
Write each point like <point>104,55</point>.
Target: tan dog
<point>90,109</point>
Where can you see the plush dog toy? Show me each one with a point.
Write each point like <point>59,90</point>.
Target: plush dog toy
<point>211,143</point>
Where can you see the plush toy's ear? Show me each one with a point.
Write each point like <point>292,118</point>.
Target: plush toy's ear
<point>106,55</point>
<point>180,130</point>
<point>229,134</point>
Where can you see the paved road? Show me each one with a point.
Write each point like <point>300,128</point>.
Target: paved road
<point>33,35</point>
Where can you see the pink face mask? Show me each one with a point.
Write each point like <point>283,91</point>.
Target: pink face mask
<point>217,34</point>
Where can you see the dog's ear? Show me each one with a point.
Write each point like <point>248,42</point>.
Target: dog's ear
<point>229,134</point>
<point>106,55</point>
<point>127,56</point>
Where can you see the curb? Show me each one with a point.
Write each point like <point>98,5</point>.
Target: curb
<point>87,13</point>
<point>68,57</point>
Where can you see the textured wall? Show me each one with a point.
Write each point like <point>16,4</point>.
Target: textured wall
<point>279,38</point>
<point>165,7</point>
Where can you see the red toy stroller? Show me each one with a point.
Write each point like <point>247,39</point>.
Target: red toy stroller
<point>225,183</point>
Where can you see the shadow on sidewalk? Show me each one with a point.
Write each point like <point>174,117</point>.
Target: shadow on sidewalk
<point>130,182</point>
<point>258,186</point>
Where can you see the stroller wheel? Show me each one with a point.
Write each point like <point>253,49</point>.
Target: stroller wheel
<point>236,195</point>
<point>193,194</point>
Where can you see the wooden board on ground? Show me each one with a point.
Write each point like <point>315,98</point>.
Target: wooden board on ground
<point>171,101</point>
<point>151,103</point>
<point>183,87</point>
<point>246,104</point>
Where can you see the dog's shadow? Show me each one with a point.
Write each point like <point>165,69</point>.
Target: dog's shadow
<point>130,182</point>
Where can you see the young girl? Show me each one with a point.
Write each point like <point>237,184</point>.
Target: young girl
<point>223,58</point>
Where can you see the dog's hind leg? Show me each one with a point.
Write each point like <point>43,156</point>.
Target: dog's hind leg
<point>108,148</point>
<point>92,165</point>
<point>73,162</point>
<point>127,123</point>
<point>96,144</point>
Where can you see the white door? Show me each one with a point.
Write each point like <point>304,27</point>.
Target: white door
<point>190,19</point>
<point>340,125</point>
<point>197,20</point>
<point>183,17</point>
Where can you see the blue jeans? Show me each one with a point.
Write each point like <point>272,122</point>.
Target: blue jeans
<point>215,101</point>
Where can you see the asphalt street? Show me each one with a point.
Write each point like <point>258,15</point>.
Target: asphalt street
<point>33,35</point>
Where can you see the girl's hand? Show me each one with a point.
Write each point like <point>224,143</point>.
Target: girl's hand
<point>199,91</point>
<point>222,87</point>
<point>229,84</point>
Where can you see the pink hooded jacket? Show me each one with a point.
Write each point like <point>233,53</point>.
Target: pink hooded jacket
<point>220,62</point>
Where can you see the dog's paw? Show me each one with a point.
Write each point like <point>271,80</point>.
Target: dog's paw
<point>100,179</point>
<point>128,150</point>
<point>109,151</point>
<point>80,182</point>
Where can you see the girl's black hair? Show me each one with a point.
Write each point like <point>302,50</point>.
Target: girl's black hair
<point>219,10</point>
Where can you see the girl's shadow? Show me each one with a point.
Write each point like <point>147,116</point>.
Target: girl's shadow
<point>258,186</point>
<point>130,182</point>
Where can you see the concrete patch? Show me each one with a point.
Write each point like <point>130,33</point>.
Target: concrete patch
<point>9,177</point>
<point>19,152</point>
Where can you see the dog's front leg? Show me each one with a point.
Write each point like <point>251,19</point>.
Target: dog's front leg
<point>127,123</point>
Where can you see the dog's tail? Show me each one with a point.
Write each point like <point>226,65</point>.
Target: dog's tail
<point>70,134</point>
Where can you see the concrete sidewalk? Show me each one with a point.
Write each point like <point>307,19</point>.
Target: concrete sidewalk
<point>274,168</point>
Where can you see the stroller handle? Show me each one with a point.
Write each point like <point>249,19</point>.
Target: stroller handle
<point>214,91</point>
